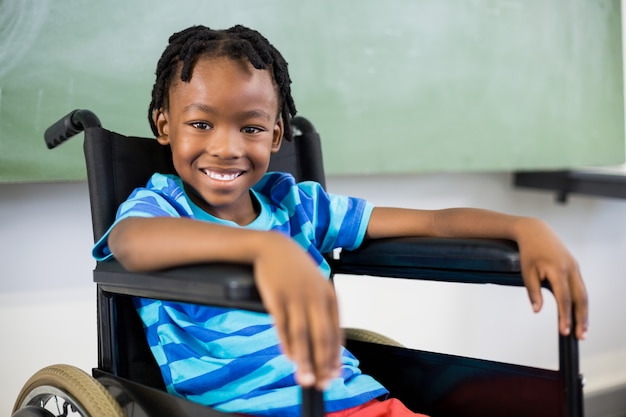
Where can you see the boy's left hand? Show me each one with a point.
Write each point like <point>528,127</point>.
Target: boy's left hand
<point>544,257</point>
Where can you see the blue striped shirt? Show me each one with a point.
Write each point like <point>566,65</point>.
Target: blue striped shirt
<point>230,359</point>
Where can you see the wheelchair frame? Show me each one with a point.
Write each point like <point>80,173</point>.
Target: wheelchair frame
<point>130,381</point>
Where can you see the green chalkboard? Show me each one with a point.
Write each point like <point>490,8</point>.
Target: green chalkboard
<point>394,86</point>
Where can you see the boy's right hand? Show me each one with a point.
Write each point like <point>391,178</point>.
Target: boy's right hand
<point>304,307</point>
<point>301,301</point>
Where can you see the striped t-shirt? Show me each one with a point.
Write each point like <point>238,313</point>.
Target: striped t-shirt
<point>230,359</point>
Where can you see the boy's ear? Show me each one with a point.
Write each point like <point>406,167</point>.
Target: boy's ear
<point>279,130</point>
<point>160,121</point>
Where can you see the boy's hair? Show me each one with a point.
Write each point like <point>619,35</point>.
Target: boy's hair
<point>237,42</point>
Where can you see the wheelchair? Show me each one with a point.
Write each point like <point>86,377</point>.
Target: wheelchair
<point>127,381</point>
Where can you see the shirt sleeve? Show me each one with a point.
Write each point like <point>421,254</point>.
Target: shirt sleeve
<point>340,221</point>
<point>143,202</point>
<point>349,221</point>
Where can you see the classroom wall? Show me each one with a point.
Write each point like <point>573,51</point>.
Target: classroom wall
<point>47,300</point>
<point>48,310</point>
<point>465,85</point>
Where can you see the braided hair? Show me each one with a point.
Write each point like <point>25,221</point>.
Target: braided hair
<point>237,42</point>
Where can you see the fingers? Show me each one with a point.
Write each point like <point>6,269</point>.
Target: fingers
<point>564,307</point>
<point>290,321</point>
<point>581,305</point>
<point>326,341</point>
<point>532,280</point>
<point>573,303</point>
<point>570,294</point>
<point>559,283</point>
<point>582,321</point>
<point>300,347</point>
<point>317,348</point>
<point>309,332</point>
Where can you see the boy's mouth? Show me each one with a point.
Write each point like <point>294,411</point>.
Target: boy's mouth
<point>222,176</point>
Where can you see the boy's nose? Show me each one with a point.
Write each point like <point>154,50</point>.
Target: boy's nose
<point>225,143</point>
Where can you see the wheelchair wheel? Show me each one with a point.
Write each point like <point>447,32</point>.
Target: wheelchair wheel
<point>65,390</point>
<point>363,335</point>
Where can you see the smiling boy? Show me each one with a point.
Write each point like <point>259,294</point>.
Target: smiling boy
<point>222,102</point>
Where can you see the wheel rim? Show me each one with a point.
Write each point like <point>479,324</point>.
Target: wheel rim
<point>47,397</point>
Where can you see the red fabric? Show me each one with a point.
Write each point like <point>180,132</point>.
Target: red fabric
<point>375,408</point>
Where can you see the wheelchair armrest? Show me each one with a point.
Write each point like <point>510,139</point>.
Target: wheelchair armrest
<point>219,284</point>
<point>232,285</point>
<point>479,261</point>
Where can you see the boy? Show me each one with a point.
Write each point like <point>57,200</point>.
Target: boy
<point>222,102</point>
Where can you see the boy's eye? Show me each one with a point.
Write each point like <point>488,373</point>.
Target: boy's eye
<point>251,130</point>
<point>201,125</point>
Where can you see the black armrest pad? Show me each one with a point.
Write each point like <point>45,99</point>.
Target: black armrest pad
<point>426,252</point>
<point>226,285</point>
<point>442,259</point>
<point>232,285</point>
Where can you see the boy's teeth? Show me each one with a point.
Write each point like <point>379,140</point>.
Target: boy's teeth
<point>222,177</point>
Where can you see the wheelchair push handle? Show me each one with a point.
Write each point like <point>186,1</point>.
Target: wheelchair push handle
<point>74,122</point>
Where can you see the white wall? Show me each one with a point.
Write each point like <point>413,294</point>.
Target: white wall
<point>47,300</point>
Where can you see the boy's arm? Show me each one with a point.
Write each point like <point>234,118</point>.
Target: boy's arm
<point>301,301</point>
<point>543,256</point>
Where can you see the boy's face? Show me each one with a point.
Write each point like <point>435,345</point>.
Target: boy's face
<point>222,127</point>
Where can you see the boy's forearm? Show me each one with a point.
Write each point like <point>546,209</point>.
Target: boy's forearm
<point>470,222</point>
<point>142,244</point>
<point>455,223</point>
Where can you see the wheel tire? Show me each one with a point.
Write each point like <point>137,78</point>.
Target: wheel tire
<point>363,335</point>
<point>74,386</point>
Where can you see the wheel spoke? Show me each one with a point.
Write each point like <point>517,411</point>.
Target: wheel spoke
<point>70,391</point>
